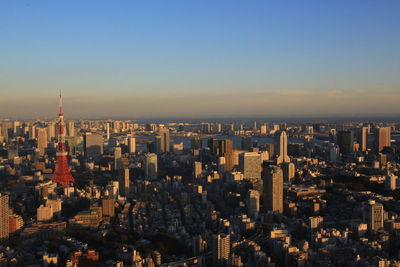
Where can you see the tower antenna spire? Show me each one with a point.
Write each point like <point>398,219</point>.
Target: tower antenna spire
<point>60,104</point>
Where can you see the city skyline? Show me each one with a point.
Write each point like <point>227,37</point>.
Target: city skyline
<point>143,60</point>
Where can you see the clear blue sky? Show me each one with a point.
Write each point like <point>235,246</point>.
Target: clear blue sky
<point>199,58</point>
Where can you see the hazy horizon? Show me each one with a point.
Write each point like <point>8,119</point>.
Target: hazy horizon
<point>200,59</point>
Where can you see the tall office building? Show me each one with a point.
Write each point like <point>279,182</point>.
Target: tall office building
<point>132,144</point>
<point>108,206</point>
<point>373,215</point>
<point>289,170</point>
<point>345,141</point>
<point>221,249</point>
<point>151,166</point>
<point>108,131</point>
<point>250,165</point>
<point>382,138</point>
<point>51,131</point>
<point>225,149</point>
<point>5,130</point>
<point>93,145</point>
<point>273,188</point>
<point>197,169</point>
<point>71,128</point>
<point>32,132</point>
<point>124,183</point>
<point>42,140</point>
<point>253,203</point>
<point>363,138</point>
<point>117,158</point>
<point>164,134</point>
<point>4,214</point>
<point>280,147</point>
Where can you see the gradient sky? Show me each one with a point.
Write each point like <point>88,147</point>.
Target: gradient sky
<point>138,59</point>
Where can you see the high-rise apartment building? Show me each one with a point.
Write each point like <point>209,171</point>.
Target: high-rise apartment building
<point>4,220</point>
<point>221,249</point>
<point>273,188</point>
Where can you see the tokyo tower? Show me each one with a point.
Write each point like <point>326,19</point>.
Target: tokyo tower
<point>62,173</point>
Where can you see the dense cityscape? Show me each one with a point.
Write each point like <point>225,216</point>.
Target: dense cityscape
<point>248,193</point>
<point>201,133</point>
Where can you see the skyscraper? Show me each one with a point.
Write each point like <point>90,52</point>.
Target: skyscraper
<point>124,183</point>
<point>4,214</point>
<point>288,169</point>
<point>71,128</point>
<point>250,165</point>
<point>151,166</point>
<point>382,138</point>
<point>345,141</point>
<point>93,145</point>
<point>280,147</point>
<point>273,188</point>
<point>363,138</point>
<point>164,134</point>
<point>107,131</point>
<point>117,157</point>
<point>42,140</point>
<point>51,131</point>
<point>225,149</point>
<point>131,144</point>
<point>221,249</point>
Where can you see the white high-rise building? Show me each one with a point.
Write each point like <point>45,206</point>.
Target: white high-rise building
<point>281,142</point>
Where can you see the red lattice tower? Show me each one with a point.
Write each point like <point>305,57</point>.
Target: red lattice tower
<point>62,174</point>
